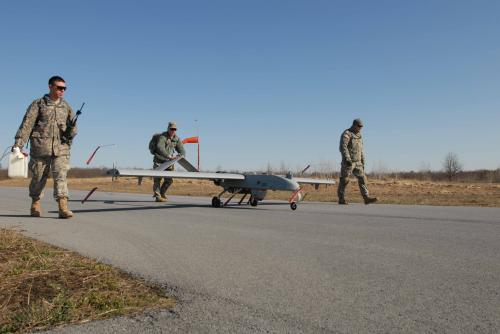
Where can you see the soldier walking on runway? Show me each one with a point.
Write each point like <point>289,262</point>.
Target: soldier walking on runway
<point>353,162</point>
<point>48,126</point>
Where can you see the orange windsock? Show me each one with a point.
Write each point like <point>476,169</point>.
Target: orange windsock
<point>190,140</point>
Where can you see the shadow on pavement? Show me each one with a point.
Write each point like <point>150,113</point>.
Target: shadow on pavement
<point>108,201</point>
<point>161,206</point>
<point>28,216</point>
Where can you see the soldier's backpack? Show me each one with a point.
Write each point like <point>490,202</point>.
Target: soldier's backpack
<point>154,142</point>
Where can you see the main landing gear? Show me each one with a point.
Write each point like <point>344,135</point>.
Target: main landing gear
<point>217,201</point>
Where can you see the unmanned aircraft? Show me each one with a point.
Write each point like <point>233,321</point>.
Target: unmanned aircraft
<point>253,184</point>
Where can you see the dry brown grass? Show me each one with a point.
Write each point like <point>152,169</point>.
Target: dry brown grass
<point>388,191</point>
<point>42,286</point>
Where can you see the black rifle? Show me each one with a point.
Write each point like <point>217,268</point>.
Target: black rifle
<point>67,138</point>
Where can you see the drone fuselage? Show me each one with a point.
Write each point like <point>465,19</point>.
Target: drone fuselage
<point>258,184</point>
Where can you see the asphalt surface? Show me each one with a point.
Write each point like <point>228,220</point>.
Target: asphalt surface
<point>321,269</point>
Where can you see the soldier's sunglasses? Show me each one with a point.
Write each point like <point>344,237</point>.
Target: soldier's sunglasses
<point>173,129</point>
<point>61,88</point>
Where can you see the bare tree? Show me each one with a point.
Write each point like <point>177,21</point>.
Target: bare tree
<point>269,168</point>
<point>425,172</point>
<point>452,165</point>
<point>379,170</point>
<point>425,167</point>
<point>283,168</point>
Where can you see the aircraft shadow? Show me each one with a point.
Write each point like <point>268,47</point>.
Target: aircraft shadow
<point>109,201</point>
<point>162,207</point>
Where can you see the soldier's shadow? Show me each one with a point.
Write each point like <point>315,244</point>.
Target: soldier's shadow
<point>136,208</point>
<point>25,216</point>
<point>16,216</point>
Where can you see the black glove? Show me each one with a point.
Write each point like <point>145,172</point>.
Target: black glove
<point>348,163</point>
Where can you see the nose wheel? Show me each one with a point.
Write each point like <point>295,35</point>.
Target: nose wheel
<point>254,201</point>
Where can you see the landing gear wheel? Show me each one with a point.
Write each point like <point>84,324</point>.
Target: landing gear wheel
<point>216,203</point>
<point>254,201</point>
<point>293,206</point>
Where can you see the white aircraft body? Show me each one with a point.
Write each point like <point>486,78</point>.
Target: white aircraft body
<point>253,184</point>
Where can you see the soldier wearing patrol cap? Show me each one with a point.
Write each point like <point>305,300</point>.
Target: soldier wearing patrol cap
<point>45,124</point>
<point>168,143</point>
<point>353,162</point>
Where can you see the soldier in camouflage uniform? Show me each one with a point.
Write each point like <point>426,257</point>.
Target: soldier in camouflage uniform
<point>353,162</point>
<point>44,124</point>
<point>168,143</point>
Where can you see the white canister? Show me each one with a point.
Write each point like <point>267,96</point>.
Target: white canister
<point>18,164</point>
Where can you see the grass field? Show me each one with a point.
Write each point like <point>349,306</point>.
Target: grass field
<point>42,286</point>
<point>388,191</point>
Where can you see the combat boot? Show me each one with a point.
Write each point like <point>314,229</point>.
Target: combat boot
<point>342,201</point>
<point>64,212</point>
<point>160,199</point>
<point>369,200</point>
<point>36,209</point>
<point>164,196</point>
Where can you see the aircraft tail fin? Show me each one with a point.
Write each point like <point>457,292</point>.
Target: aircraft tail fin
<point>187,165</point>
<point>181,161</point>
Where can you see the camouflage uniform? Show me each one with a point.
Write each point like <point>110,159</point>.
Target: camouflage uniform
<point>353,162</point>
<point>44,123</point>
<point>165,149</point>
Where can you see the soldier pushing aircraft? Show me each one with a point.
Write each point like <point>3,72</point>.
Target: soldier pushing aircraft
<point>163,146</point>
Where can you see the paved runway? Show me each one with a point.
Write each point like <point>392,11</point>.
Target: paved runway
<point>321,269</point>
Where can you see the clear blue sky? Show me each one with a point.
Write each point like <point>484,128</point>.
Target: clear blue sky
<point>268,81</point>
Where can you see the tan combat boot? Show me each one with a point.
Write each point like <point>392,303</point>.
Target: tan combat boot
<point>64,212</point>
<point>36,209</point>
<point>369,200</point>
<point>160,199</point>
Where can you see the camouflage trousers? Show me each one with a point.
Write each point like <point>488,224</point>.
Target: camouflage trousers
<point>357,170</point>
<point>40,167</point>
<point>159,188</point>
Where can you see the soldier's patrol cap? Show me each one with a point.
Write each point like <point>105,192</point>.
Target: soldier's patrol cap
<point>172,125</point>
<point>357,122</point>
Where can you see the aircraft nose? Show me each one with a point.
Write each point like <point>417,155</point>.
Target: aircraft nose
<point>293,185</point>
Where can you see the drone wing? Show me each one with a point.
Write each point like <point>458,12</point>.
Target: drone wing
<point>175,174</point>
<point>316,182</point>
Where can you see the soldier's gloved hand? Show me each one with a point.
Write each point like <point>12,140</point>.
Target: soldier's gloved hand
<point>348,163</point>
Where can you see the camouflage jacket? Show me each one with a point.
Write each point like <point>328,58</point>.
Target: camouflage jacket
<point>44,124</point>
<point>351,147</point>
<point>166,148</point>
